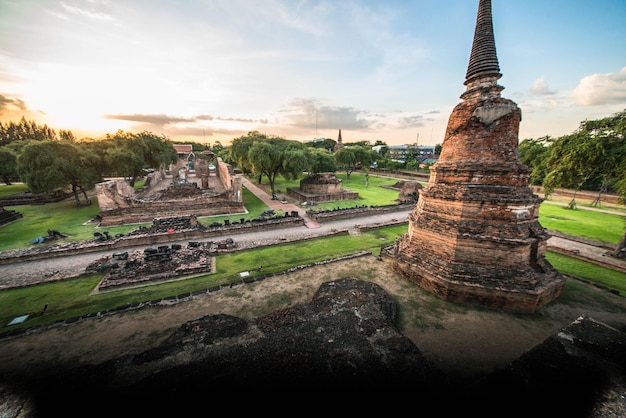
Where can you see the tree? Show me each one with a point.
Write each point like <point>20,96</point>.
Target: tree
<point>354,157</point>
<point>535,153</point>
<point>592,154</point>
<point>125,163</point>
<point>66,136</point>
<point>47,166</point>
<point>273,156</point>
<point>596,151</point>
<point>326,143</point>
<point>217,147</point>
<point>129,154</point>
<point>157,151</point>
<point>8,166</point>
<point>25,130</point>
<point>322,161</point>
<point>238,152</point>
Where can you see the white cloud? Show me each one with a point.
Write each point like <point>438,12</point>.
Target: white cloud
<point>89,14</point>
<point>601,89</point>
<point>540,87</point>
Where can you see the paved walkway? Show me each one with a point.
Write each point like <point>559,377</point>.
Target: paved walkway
<point>277,204</point>
<point>612,212</point>
<point>593,253</point>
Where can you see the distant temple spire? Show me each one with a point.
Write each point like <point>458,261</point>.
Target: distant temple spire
<point>339,143</point>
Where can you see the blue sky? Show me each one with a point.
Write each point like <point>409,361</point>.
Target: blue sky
<point>214,70</point>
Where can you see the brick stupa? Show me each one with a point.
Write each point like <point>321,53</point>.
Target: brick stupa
<point>474,235</point>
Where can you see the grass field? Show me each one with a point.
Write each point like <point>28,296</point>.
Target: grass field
<point>598,226</point>
<point>74,221</point>
<point>73,298</point>
<point>369,189</point>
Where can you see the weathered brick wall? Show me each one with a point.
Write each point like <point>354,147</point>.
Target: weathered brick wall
<point>474,235</point>
<point>356,212</point>
<point>141,212</point>
<point>473,133</point>
<point>114,194</point>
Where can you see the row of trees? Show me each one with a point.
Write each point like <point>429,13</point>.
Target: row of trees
<point>261,155</point>
<point>47,163</point>
<point>591,158</point>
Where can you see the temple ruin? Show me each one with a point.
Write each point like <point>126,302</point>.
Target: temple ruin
<point>474,235</point>
<point>208,190</point>
<point>321,187</point>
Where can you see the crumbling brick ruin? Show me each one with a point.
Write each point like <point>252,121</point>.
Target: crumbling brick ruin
<point>321,187</point>
<point>183,193</point>
<point>474,234</point>
<point>156,264</point>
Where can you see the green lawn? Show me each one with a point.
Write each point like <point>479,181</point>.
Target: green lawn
<point>370,191</point>
<point>597,274</point>
<point>72,298</point>
<point>12,189</point>
<point>74,221</point>
<point>582,223</point>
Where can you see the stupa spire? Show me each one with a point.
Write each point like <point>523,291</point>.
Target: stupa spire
<point>483,70</point>
<point>483,58</point>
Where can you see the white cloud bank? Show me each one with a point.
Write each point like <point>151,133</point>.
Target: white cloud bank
<point>601,89</point>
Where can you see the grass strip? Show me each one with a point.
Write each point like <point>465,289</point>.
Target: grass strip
<point>73,297</point>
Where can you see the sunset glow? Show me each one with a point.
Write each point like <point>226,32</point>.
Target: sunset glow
<point>214,70</point>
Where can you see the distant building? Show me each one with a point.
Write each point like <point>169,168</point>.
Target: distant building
<point>184,151</point>
<point>405,153</point>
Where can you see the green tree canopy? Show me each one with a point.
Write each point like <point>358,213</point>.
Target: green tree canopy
<point>535,153</point>
<point>130,154</point>
<point>47,166</point>
<point>25,130</point>
<point>326,143</point>
<point>238,152</point>
<point>593,153</point>
<point>8,166</point>
<point>354,158</point>
<point>273,156</point>
<point>322,161</point>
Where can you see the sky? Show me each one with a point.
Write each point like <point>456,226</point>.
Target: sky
<point>214,70</point>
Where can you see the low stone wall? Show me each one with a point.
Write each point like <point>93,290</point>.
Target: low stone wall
<point>138,239</point>
<point>355,212</point>
<point>345,194</point>
<point>8,216</point>
<point>21,199</point>
<point>204,206</point>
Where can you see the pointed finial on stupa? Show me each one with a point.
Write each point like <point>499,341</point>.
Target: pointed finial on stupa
<point>339,138</point>
<point>483,69</point>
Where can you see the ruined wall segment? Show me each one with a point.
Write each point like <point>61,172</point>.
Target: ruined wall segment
<point>169,196</point>
<point>228,179</point>
<point>474,234</point>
